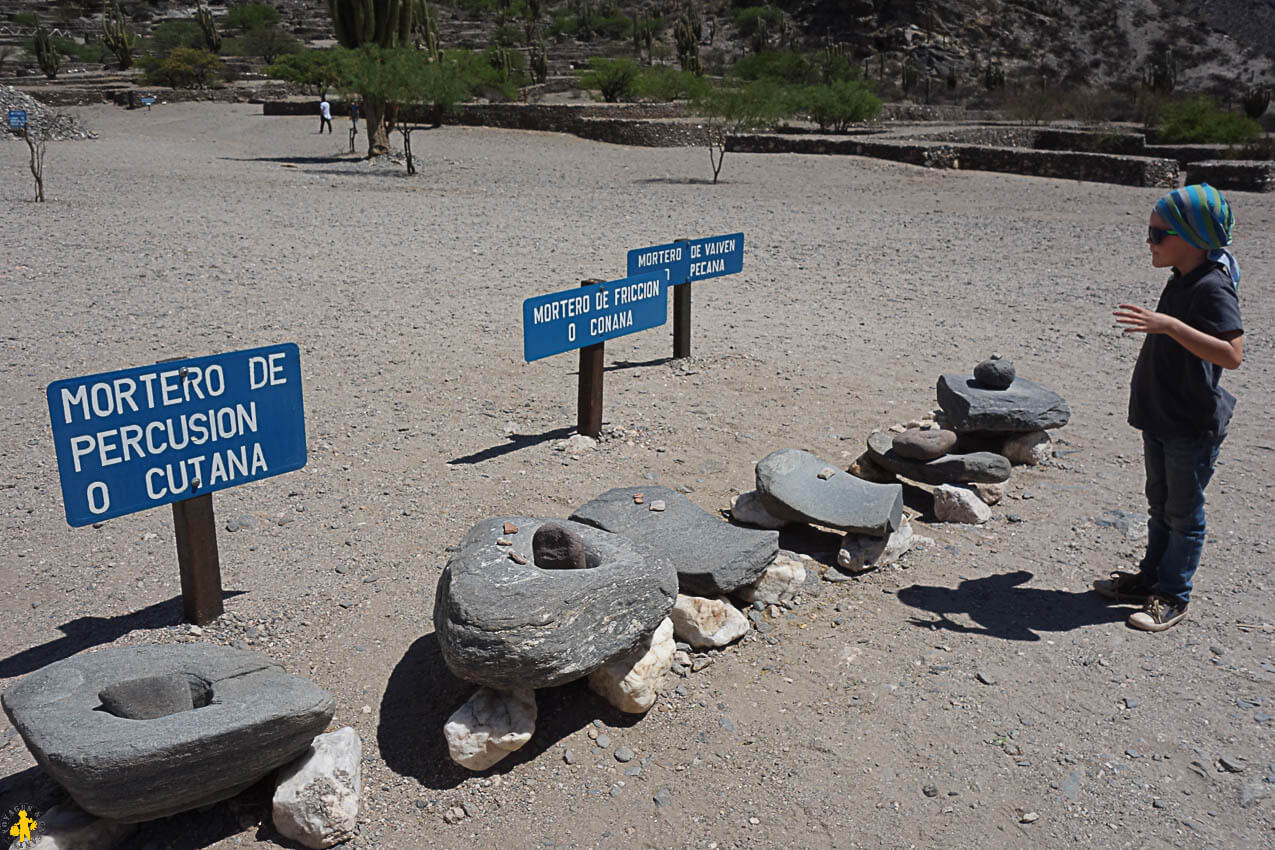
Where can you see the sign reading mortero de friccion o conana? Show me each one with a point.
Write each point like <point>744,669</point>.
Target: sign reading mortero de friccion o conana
<point>692,260</point>
<point>143,437</point>
<point>574,318</point>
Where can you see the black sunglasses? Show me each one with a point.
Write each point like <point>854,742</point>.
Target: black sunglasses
<point>1156,234</point>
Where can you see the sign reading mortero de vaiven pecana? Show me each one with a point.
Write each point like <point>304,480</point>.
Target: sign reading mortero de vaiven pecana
<point>143,437</point>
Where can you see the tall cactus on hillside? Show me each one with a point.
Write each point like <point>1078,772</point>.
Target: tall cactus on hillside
<point>1256,100</point>
<point>539,63</point>
<point>376,23</point>
<point>687,45</point>
<point>45,54</point>
<point>212,37</point>
<point>425,29</point>
<point>116,37</point>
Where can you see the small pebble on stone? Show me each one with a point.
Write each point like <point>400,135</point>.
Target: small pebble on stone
<point>516,558</point>
<point>623,754</point>
<point>658,505</point>
<point>638,498</point>
<point>826,473</point>
<point>510,528</point>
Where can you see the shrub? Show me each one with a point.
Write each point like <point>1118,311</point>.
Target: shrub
<point>26,19</point>
<point>1198,120</point>
<point>251,16</point>
<point>269,42</point>
<point>183,68</point>
<point>317,70</point>
<point>835,105</point>
<point>662,83</point>
<point>170,35</point>
<point>758,19</point>
<point>614,78</point>
<point>780,66</point>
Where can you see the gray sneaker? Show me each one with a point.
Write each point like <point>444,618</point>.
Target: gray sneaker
<point>1158,614</point>
<point>1123,587</point>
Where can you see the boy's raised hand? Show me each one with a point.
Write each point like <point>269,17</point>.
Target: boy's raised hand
<point>1141,320</point>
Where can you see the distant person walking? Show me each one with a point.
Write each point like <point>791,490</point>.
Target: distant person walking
<point>325,115</point>
<point>354,115</point>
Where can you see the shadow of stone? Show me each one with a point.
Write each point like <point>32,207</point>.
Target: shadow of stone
<point>628,364</point>
<point>421,695</point>
<point>819,543</point>
<point>1003,609</point>
<point>516,442</point>
<point>31,789</point>
<point>85,632</point>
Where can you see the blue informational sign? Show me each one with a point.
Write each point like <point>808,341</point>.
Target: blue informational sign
<point>147,101</point>
<point>695,259</point>
<point>17,119</point>
<point>144,437</point>
<point>574,318</point>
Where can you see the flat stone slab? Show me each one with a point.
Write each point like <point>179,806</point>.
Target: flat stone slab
<point>1023,406</point>
<point>249,716</point>
<point>975,467</point>
<point>797,485</point>
<point>711,557</point>
<point>503,622</point>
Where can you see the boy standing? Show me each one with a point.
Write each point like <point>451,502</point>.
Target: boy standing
<point>1193,334</point>
<point>325,115</point>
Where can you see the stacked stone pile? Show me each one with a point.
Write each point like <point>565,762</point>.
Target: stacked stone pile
<point>795,486</point>
<point>620,594</point>
<point>986,423</point>
<point>58,126</point>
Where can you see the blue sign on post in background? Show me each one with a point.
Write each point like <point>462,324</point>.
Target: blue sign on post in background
<point>148,436</point>
<point>574,318</point>
<point>692,260</point>
<point>17,119</point>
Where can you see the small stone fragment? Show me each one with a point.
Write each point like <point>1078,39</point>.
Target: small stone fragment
<point>489,726</point>
<point>860,552</point>
<point>623,754</point>
<point>995,374</point>
<point>779,582</point>
<point>985,679</point>
<point>957,504</point>
<point>705,623</point>
<point>991,494</point>
<point>916,444</point>
<point>510,528</point>
<point>516,558</point>
<point>638,498</point>
<point>504,541</point>
<point>316,800</point>
<point>1029,817</point>
<point>930,790</point>
<point>658,505</point>
<point>1030,449</point>
<point>826,473</point>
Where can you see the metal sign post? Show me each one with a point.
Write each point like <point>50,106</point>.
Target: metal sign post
<point>585,318</point>
<point>687,261</point>
<point>174,433</point>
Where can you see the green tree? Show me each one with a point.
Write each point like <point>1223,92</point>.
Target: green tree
<point>662,83</point>
<point>612,77</point>
<point>246,17</point>
<point>317,70</point>
<point>183,68</point>
<point>270,42</point>
<point>836,105</point>
<point>1198,120</point>
<point>372,23</point>
<point>730,109</point>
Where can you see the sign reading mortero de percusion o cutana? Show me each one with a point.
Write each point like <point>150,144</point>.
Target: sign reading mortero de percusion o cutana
<point>143,437</point>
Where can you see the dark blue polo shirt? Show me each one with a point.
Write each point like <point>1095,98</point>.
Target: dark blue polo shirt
<point>1173,392</point>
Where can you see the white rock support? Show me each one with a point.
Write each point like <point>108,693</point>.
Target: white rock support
<point>68,827</point>
<point>990,493</point>
<point>707,623</point>
<point>748,509</point>
<point>861,552</point>
<point>316,801</point>
<point>779,582</point>
<point>490,726</point>
<point>957,504</point>
<point>1029,449</point>
<point>632,681</point>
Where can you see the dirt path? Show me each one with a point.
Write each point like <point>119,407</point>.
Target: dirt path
<point>197,229</point>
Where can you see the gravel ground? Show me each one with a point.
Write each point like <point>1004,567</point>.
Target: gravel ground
<point>976,695</point>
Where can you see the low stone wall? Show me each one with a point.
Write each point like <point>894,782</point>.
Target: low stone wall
<point>1099,168</point>
<point>1187,154</point>
<point>1244,175</point>
<point>1048,139</point>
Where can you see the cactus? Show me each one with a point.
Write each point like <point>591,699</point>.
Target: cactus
<point>1256,100</point>
<point>1162,72</point>
<point>425,30</point>
<point>501,61</point>
<point>384,23</point>
<point>539,62</point>
<point>212,38</point>
<point>993,75</point>
<point>909,76</point>
<point>116,37</point>
<point>687,46</point>
<point>951,77</point>
<point>45,54</point>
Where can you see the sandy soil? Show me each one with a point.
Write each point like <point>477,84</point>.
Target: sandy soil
<point>197,229</point>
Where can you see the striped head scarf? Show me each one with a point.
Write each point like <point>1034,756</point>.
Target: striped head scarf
<point>1203,218</point>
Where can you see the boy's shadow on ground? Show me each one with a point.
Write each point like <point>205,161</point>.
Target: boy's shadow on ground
<point>422,693</point>
<point>1004,610</point>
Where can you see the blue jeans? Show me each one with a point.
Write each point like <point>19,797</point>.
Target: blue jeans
<point>1178,470</point>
